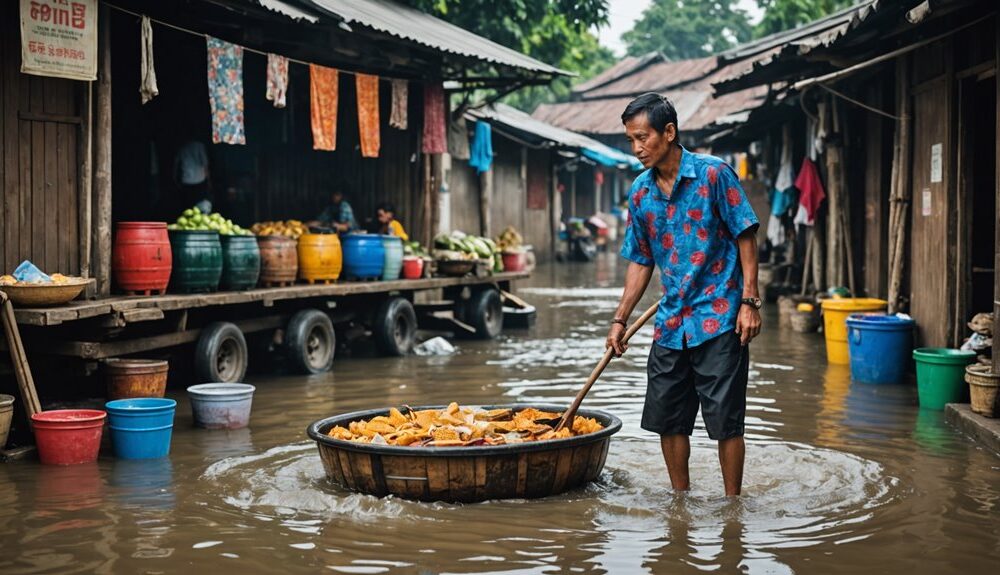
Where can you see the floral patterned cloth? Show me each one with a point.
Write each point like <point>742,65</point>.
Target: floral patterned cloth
<point>225,91</point>
<point>277,79</point>
<point>690,234</point>
<point>324,92</point>
<point>368,121</point>
<point>435,138</point>
<point>400,94</point>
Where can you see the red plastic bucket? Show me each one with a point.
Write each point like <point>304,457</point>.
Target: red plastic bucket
<point>413,268</point>
<point>514,262</point>
<point>68,436</point>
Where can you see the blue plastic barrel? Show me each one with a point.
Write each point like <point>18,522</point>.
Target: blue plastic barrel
<point>364,256</point>
<point>880,347</point>
<point>141,427</point>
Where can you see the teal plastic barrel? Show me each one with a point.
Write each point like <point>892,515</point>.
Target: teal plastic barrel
<point>240,262</point>
<point>197,261</point>
<point>941,375</point>
<point>393,257</point>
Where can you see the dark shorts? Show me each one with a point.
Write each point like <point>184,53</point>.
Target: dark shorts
<point>713,374</point>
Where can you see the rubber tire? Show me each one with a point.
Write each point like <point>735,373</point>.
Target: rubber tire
<point>484,311</point>
<point>216,338</point>
<point>395,327</point>
<point>308,329</point>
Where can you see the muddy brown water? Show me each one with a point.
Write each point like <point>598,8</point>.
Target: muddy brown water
<point>840,478</point>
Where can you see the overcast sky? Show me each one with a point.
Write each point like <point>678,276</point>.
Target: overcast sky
<point>624,13</point>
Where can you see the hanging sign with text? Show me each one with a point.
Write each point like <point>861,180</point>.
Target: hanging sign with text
<point>59,38</point>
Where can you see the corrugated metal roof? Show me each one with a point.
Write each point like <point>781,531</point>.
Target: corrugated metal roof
<point>656,77</point>
<point>287,9</point>
<point>616,71</point>
<point>793,44</point>
<point>416,26</point>
<point>503,116</point>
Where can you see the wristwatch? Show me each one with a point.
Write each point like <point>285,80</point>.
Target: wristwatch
<point>619,321</point>
<point>756,302</point>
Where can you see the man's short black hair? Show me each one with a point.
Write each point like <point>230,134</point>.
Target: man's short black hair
<point>657,108</point>
<point>386,207</point>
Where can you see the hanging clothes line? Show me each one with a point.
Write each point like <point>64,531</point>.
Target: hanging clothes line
<point>204,35</point>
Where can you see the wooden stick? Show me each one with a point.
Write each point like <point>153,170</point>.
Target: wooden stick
<point>569,414</point>
<point>806,271</point>
<point>22,371</point>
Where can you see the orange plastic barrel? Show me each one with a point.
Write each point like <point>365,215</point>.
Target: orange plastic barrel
<point>320,257</point>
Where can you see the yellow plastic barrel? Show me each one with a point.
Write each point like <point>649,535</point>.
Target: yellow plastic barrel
<point>320,257</point>
<point>835,312</point>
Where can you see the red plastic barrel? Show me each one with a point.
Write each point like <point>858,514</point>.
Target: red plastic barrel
<point>68,436</point>
<point>141,257</point>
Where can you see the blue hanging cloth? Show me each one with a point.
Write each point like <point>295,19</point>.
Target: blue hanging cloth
<point>481,155</point>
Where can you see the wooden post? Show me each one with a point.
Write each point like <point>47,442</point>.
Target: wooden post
<point>485,199</point>
<point>899,199</point>
<point>555,205</point>
<point>996,217</point>
<point>426,222</point>
<point>85,151</point>
<point>102,157</point>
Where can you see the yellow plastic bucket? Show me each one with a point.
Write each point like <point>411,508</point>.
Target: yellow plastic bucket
<point>835,312</point>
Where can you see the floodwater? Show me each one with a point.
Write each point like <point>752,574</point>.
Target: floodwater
<point>840,478</point>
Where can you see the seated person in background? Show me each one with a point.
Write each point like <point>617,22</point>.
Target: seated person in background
<point>385,213</point>
<point>337,215</point>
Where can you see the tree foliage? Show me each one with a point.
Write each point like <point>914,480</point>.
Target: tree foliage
<point>782,15</point>
<point>683,29</point>
<point>556,32</point>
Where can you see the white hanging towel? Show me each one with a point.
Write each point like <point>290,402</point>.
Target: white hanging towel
<point>147,85</point>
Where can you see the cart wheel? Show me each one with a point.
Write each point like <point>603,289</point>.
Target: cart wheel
<point>395,327</point>
<point>484,311</point>
<point>310,341</point>
<point>221,355</point>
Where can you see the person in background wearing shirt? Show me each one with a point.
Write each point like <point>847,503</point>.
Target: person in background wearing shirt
<point>385,214</point>
<point>688,216</point>
<point>192,176</point>
<point>338,215</point>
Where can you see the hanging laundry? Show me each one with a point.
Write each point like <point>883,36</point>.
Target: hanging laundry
<point>482,147</point>
<point>368,122</point>
<point>775,230</point>
<point>324,94</point>
<point>225,91</point>
<point>458,139</point>
<point>811,193</point>
<point>786,171</point>
<point>147,85</point>
<point>435,140</point>
<point>277,79</point>
<point>400,96</point>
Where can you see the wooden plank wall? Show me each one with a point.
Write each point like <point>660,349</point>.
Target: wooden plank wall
<point>39,127</point>
<point>277,174</point>
<point>509,207</point>
<point>931,248</point>
<point>877,160</point>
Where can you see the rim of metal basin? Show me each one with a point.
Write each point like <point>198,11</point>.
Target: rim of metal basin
<point>220,389</point>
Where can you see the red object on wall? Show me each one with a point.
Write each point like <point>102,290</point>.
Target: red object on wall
<point>141,257</point>
<point>598,177</point>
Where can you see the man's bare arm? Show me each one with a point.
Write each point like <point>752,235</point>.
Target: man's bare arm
<point>637,278</point>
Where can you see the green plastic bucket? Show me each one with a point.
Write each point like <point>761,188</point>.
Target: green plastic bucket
<point>941,375</point>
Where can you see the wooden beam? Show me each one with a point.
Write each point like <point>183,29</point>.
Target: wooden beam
<point>102,157</point>
<point>84,177</point>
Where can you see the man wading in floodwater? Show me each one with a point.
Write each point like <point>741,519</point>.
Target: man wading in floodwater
<point>688,215</point>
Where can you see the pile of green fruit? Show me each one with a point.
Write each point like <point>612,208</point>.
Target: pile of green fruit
<point>414,249</point>
<point>192,219</point>
<point>459,246</point>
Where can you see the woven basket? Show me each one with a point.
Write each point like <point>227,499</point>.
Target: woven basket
<point>983,386</point>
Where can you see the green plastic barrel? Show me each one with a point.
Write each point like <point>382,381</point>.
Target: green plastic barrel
<point>240,262</point>
<point>197,261</point>
<point>941,375</point>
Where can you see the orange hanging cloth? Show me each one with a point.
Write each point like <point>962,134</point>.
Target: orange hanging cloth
<point>324,93</point>
<point>368,123</point>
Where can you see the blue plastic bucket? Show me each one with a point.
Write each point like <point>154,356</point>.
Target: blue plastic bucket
<point>221,405</point>
<point>141,427</point>
<point>880,347</point>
